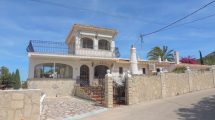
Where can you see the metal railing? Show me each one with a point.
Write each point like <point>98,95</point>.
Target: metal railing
<point>48,47</point>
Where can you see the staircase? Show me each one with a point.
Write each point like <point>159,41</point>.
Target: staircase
<point>95,93</point>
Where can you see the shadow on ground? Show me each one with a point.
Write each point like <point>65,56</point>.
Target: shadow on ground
<point>203,110</point>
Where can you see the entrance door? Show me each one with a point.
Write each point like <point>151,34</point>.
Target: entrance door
<point>100,71</point>
<point>84,75</point>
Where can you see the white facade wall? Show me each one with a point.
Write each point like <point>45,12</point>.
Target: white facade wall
<point>115,70</point>
<point>95,51</point>
<point>76,64</point>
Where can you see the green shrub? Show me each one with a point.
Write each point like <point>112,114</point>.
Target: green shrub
<point>179,70</point>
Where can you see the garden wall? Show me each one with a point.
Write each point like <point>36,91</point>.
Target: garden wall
<point>20,104</point>
<point>147,88</point>
<point>53,87</point>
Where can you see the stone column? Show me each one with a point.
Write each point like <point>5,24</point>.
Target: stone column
<point>163,84</point>
<point>112,45</point>
<point>108,90</point>
<point>95,43</point>
<point>190,80</point>
<point>129,95</point>
<point>77,42</point>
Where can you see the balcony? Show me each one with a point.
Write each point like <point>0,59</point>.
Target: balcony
<point>48,47</point>
<point>61,48</point>
<point>94,53</point>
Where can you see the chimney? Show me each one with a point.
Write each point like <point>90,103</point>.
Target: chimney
<point>133,61</point>
<point>176,55</point>
<point>159,59</point>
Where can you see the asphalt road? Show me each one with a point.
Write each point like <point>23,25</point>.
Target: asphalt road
<point>192,106</point>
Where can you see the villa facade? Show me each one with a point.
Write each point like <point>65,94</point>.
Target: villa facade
<point>86,55</point>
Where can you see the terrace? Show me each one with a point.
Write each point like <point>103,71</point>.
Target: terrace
<point>61,48</point>
<point>48,47</point>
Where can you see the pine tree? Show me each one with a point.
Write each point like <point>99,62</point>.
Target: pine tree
<point>12,78</point>
<point>201,58</point>
<point>17,82</point>
<point>6,81</point>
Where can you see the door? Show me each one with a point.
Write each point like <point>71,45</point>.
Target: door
<point>84,75</point>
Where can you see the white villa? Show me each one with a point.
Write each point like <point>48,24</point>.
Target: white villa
<point>85,56</point>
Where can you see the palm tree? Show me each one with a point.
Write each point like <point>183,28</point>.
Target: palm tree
<point>164,53</point>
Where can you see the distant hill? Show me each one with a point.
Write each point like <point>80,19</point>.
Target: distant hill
<point>209,59</point>
<point>211,54</point>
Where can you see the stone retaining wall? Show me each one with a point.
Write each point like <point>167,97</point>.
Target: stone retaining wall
<point>20,104</point>
<point>53,87</point>
<point>147,88</point>
<point>81,93</point>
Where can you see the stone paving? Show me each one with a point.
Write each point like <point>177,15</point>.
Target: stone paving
<point>61,108</point>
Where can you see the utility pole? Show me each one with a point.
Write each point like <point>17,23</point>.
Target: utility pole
<point>141,40</point>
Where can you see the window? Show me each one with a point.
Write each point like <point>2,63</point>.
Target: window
<point>44,70</point>
<point>100,71</point>
<point>120,70</point>
<point>87,43</point>
<point>63,71</point>
<point>158,70</point>
<point>52,70</point>
<point>144,70</point>
<point>104,45</point>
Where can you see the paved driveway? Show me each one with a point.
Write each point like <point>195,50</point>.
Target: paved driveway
<point>67,108</point>
<point>192,106</point>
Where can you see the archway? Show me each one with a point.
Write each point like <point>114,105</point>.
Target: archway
<point>84,75</point>
<point>87,43</point>
<point>53,70</point>
<point>100,71</point>
<point>104,44</point>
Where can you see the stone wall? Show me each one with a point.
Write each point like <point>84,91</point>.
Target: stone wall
<point>147,88</point>
<point>81,93</point>
<point>201,80</point>
<point>176,84</point>
<point>53,87</point>
<point>20,104</point>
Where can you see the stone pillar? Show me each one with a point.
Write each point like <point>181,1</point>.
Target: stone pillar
<point>133,60</point>
<point>112,45</point>
<point>177,59</point>
<point>163,84</point>
<point>77,42</point>
<point>108,90</point>
<point>129,95</point>
<point>190,80</point>
<point>95,44</point>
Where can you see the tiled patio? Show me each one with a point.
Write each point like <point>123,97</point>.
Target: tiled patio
<point>64,108</point>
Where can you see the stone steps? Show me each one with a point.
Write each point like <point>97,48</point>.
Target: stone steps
<point>96,93</point>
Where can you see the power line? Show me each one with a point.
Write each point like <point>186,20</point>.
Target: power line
<point>193,21</point>
<point>96,11</point>
<point>179,25</point>
<point>204,6</point>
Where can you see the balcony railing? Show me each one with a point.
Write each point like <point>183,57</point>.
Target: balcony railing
<point>49,47</point>
<point>94,53</point>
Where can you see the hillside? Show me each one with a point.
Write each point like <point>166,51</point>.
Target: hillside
<point>209,59</point>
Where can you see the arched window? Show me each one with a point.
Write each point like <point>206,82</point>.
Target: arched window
<point>87,43</point>
<point>104,44</point>
<point>100,71</point>
<point>53,70</point>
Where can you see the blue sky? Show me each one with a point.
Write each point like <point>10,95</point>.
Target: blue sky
<point>23,20</point>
